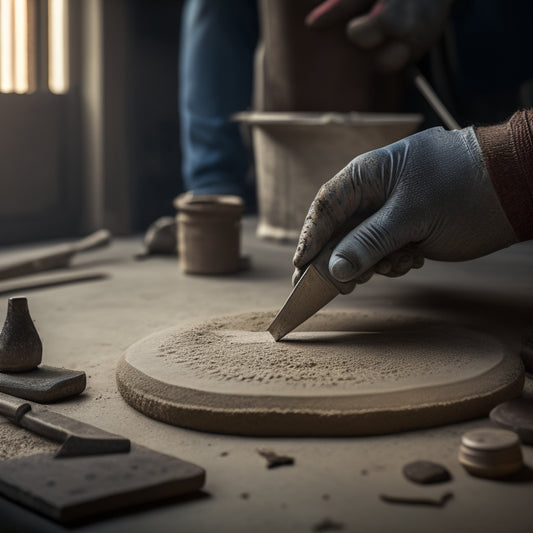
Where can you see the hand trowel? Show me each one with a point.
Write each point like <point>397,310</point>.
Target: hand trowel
<point>93,473</point>
<point>316,288</point>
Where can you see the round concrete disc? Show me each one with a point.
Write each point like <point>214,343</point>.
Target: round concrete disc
<point>338,374</point>
<point>516,415</point>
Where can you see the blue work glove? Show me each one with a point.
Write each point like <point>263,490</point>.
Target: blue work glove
<point>426,196</point>
<point>397,32</point>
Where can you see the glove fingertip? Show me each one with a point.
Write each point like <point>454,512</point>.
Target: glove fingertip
<point>297,274</point>
<point>343,269</point>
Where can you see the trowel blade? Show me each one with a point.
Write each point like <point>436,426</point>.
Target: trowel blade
<point>312,292</point>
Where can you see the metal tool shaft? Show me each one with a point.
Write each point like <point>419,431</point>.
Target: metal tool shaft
<point>78,438</point>
<point>433,100</point>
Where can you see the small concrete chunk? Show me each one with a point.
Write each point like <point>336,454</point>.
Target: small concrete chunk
<point>426,472</point>
<point>161,236</point>
<point>516,415</point>
<point>274,460</point>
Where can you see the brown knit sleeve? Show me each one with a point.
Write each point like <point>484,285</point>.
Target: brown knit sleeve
<point>508,152</point>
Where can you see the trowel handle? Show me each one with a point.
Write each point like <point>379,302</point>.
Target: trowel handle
<point>95,240</point>
<point>13,408</point>
<point>78,438</point>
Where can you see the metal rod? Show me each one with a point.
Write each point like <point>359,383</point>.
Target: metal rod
<point>433,100</point>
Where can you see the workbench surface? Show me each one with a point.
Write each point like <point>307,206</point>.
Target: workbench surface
<point>88,325</point>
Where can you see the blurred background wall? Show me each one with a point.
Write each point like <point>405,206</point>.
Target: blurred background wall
<point>89,134</point>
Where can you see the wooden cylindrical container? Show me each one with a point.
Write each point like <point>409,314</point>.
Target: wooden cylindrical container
<point>209,233</point>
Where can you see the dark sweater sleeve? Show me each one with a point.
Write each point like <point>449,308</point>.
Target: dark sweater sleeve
<point>508,153</point>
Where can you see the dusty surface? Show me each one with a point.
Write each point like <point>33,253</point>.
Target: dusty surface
<point>357,373</point>
<point>369,355</point>
<point>89,325</point>
<point>18,442</point>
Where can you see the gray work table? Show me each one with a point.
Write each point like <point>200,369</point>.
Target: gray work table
<point>88,325</point>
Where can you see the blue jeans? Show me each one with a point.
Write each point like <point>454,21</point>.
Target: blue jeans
<point>218,41</point>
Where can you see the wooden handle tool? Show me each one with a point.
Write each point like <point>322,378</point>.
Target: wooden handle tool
<point>55,257</point>
<point>78,438</point>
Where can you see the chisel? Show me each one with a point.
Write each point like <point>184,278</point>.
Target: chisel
<point>58,256</point>
<point>78,438</point>
<point>316,288</point>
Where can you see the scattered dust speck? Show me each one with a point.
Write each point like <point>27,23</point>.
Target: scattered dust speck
<point>328,525</point>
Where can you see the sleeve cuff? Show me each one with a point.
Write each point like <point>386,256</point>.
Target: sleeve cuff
<point>508,153</point>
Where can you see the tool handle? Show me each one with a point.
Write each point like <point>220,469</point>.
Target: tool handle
<point>78,438</point>
<point>55,257</point>
<point>13,408</point>
<point>94,240</point>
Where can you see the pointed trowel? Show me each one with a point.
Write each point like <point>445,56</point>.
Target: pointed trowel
<point>314,290</point>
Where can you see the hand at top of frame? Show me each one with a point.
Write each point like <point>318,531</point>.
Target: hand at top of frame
<point>397,32</point>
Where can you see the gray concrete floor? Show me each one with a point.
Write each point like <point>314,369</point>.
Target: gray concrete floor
<point>88,326</point>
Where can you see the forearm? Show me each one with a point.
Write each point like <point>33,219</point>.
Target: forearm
<point>508,153</point>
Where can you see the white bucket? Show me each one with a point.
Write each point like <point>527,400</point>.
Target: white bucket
<point>295,153</point>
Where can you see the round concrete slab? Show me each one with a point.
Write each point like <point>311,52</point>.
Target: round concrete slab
<point>338,374</point>
<point>516,415</point>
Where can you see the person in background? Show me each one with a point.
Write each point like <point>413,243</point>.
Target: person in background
<point>218,41</point>
<point>471,50</point>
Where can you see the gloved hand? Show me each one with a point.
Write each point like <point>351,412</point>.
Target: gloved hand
<point>428,195</point>
<point>396,31</point>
